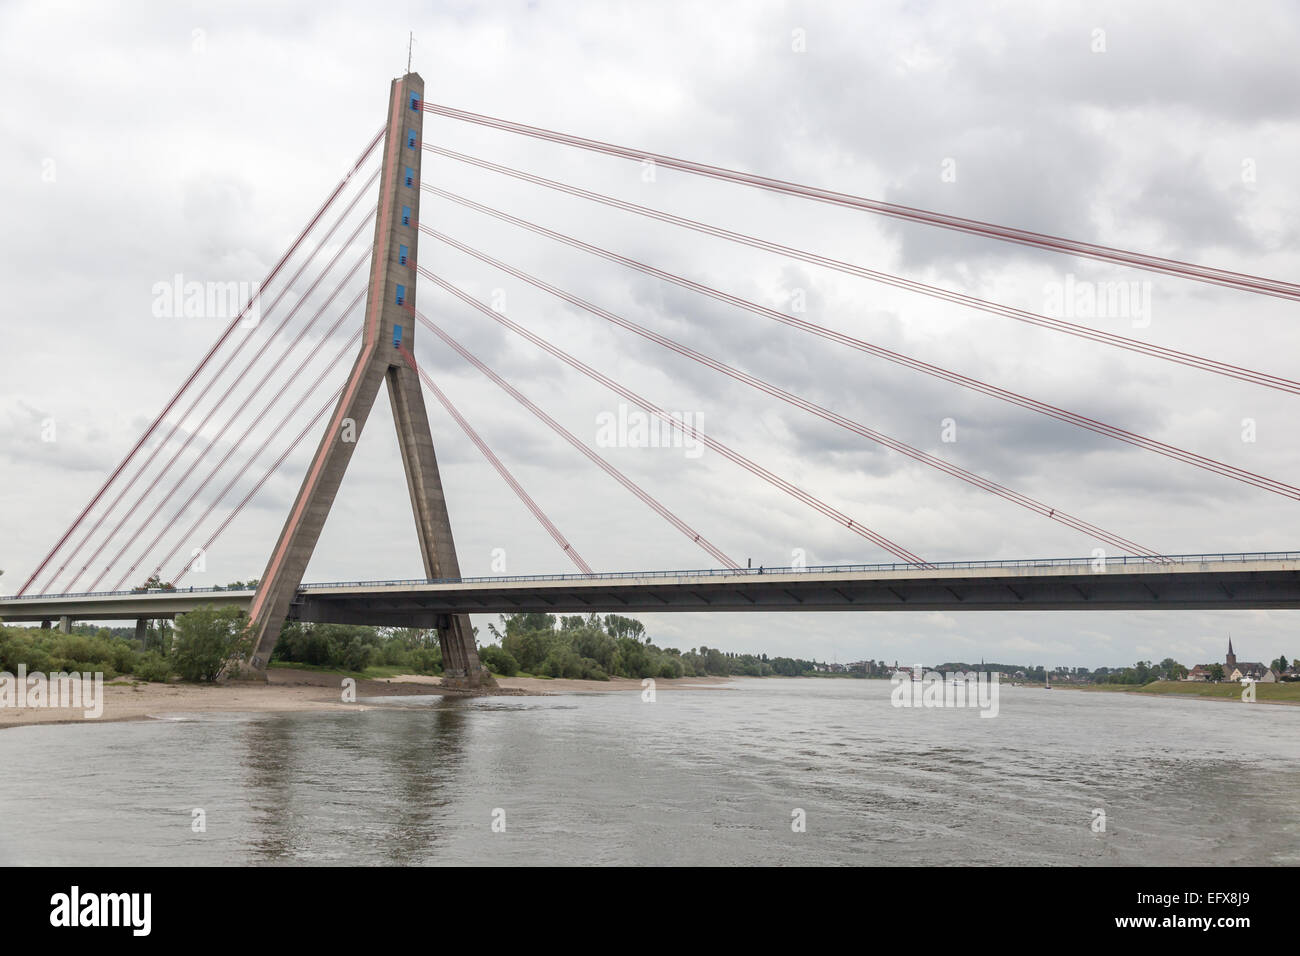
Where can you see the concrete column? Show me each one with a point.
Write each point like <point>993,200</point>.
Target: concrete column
<point>141,630</point>
<point>65,624</point>
<point>460,661</point>
<point>46,624</point>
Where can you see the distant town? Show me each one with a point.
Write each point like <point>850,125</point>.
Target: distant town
<point>1143,672</point>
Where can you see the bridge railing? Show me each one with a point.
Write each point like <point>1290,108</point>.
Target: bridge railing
<point>827,568</point>
<point>134,592</point>
<point>895,567</point>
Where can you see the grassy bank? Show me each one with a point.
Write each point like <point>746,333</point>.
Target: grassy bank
<point>1283,693</point>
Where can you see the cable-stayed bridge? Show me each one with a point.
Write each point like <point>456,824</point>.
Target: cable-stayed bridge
<point>1182,582</point>
<point>238,417</point>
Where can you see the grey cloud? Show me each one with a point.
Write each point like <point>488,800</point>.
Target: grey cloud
<point>212,172</point>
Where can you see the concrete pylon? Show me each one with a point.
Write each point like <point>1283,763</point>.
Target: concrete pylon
<point>390,305</point>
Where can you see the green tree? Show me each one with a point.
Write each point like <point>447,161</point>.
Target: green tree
<point>498,660</point>
<point>357,655</point>
<point>1170,669</point>
<point>413,637</point>
<point>637,659</point>
<point>533,621</point>
<point>426,660</point>
<point>562,662</point>
<point>670,667</point>
<point>152,666</point>
<point>594,643</point>
<point>206,638</point>
<point>528,647</point>
<point>617,626</point>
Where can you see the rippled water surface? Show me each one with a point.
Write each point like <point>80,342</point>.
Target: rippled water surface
<point>699,776</point>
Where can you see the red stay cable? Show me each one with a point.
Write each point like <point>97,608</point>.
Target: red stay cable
<point>1052,411</point>
<point>658,507</point>
<point>496,463</point>
<point>198,368</point>
<point>1151,350</point>
<point>275,432</point>
<point>203,394</point>
<point>306,429</point>
<point>1047,511</point>
<point>220,403</point>
<point>1188,270</point>
<point>770,477</point>
<point>282,389</point>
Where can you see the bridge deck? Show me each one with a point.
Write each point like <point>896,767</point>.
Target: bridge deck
<point>1188,582</point>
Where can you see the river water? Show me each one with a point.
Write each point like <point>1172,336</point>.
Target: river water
<point>711,776</point>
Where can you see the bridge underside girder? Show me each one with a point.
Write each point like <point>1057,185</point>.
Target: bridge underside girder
<point>1190,586</point>
<point>1097,592</point>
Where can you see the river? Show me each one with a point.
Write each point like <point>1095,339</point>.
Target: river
<point>709,776</point>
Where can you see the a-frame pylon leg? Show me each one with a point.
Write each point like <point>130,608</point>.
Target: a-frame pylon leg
<point>293,549</point>
<point>433,524</point>
<point>390,302</point>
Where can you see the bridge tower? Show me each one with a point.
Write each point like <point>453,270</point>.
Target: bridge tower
<point>390,305</point>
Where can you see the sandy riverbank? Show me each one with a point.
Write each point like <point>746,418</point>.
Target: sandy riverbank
<point>290,691</point>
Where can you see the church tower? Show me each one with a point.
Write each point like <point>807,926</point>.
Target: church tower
<point>1231,660</point>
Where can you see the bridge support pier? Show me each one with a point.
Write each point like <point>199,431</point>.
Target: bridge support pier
<point>141,630</point>
<point>46,624</point>
<point>65,624</point>
<point>390,321</point>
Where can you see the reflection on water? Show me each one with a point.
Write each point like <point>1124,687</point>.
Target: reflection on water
<point>706,776</point>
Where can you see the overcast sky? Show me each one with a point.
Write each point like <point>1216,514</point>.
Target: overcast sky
<point>145,141</point>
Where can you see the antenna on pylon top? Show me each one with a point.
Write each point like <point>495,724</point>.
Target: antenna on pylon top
<point>409,43</point>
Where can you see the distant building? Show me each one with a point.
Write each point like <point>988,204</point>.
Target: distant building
<point>1252,671</point>
<point>1236,670</point>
